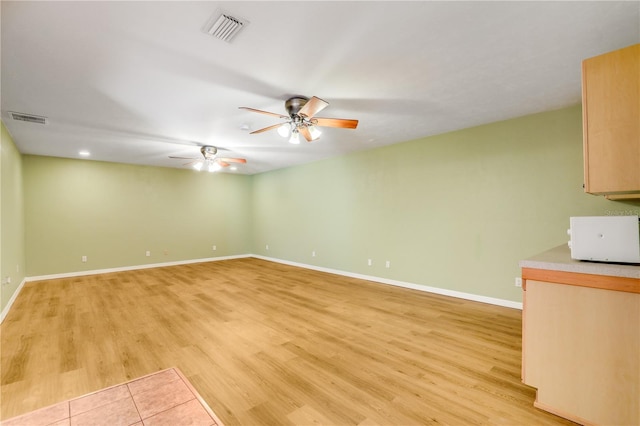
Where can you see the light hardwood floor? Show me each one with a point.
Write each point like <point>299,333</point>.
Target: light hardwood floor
<point>266,343</point>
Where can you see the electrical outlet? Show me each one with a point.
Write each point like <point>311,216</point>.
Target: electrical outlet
<point>369,262</point>
<point>147,253</point>
<point>518,282</point>
<point>266,247</point>
<point>313,253</point>
<point>387,264</point>
<point>214,248</point>
<point>84,259</point>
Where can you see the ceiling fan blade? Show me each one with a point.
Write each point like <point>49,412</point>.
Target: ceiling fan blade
<point>184,158</point>
<point>222,163</point>
<point>304,131</point>
<point>313,106</point>
<point>267,128</point>
<point>335,122</point>
<point>231,160</point>
<point>259,111</point>
<point>190,162</point>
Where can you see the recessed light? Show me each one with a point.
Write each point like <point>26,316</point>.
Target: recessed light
<point>234,168</point>
<point>84,153</point>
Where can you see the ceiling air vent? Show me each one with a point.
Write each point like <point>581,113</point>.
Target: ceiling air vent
<point>224,26</point>
<point>30,118</point>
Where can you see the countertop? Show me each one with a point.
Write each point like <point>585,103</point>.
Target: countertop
<point>559,259</point>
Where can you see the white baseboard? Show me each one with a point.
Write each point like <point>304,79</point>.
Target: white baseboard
<point>428,289</point>
<point>132,268</point>
<point>5,311</point>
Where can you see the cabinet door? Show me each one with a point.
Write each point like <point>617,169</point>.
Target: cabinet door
<point>611,122</point>
<point>581,350</point>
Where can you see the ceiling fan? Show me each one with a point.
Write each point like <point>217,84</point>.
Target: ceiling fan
<point>210,159</point>
<point>302,120</point>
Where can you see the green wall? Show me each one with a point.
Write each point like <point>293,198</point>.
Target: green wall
<point>456,211</point>
<point>113,213</point>
<point>12,245</point>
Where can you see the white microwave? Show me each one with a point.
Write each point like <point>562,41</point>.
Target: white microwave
<point>613,239</point>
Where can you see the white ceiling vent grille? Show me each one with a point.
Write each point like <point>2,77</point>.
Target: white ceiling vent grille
<point>30,118</point>
<point>225,27</point>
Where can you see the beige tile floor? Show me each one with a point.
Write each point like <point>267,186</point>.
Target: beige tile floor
<point>162,398</point>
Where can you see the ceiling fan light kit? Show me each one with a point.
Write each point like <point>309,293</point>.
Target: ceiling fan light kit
<point>211,160</point>
<point>295,137</point>
<point>314,132</point>
<point>301,119</point>
<point>213,166</point>
<point>284,130</point>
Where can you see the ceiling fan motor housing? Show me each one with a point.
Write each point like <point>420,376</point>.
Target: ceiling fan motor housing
<point>209,151</point>
<point>294,105</point>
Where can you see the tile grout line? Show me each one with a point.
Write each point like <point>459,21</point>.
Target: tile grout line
<point>134,401</point>
<point>142,419</point>
<point>99,391</point>
<point>168,409</point>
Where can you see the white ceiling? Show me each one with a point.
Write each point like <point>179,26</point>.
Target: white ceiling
<point>136,82</point>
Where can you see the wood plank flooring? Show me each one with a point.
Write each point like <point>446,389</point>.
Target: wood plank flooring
<point>270,344</point>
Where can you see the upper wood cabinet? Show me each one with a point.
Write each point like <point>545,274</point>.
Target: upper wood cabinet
<point>611,123</point>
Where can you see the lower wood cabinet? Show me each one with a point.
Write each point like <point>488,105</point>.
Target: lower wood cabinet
<point>581,350</point>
